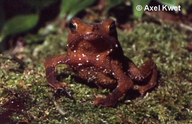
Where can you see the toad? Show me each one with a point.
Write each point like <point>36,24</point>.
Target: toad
<point>95,55</point>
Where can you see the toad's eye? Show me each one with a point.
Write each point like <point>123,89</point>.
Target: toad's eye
<point>72,26</point>
<point>112,29</point>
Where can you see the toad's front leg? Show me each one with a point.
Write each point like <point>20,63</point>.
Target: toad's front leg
<point>124,84</point>
<point>50,64</point>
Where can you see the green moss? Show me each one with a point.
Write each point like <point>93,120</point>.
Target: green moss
<point>169,102</point>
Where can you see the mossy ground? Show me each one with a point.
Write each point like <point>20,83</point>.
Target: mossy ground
<point>169,102</point>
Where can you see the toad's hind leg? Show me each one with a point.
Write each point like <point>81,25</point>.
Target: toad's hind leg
<point>149,70</point>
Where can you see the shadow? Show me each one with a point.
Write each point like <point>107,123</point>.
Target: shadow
<point>122,13</point>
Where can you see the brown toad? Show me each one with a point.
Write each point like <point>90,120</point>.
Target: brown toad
<point>95,55</point>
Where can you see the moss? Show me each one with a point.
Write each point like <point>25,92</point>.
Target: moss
<point>169,102</point>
